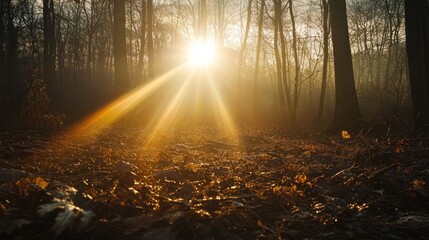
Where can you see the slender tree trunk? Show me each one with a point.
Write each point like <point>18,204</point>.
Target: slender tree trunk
<point>2,40</point>
<point>325,61</point>
<point>203,20</point>
<point>347,113</point>
<point>284,53</point>
<point>140,65</point>
<point>150,50</point>
<point>389,16</point>
<point>89,57</point>
<point>120,48</point>
<point>241,56</point>
<point>281,90</point>
<point>220,22</point>
<point>258,54</point>
<point>130,44</point>
<point>297,68</point>
<point>417,35</point>
<point>49,44</point>
<point>10,69</point>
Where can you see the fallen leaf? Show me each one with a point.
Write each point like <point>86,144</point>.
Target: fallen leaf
<point>301,178</point>
<point>418,184</point>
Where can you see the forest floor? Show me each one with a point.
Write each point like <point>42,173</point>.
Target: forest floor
<point>195,184</point>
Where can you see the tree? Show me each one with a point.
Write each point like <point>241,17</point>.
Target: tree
<point>140,65</point>
<point>150,51</point>
<point>278,11</point>
<point>49,43</point>
<point>11,62</point>
<point>280,62</point>
<point>119,47</point>
<point>325,60</point>
<point>241,55</point>
<point>347,113</point>
<point>258,53</point>
<point>417,35</point>
<point>203,20</point>
<point>297,68</point>
<point>2,34</point>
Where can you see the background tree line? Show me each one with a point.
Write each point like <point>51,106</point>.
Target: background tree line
<point>282,54</point>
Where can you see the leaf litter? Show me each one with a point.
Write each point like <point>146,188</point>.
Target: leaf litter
<point>199,186</point>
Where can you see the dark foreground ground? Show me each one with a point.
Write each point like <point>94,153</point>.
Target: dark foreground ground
<point>198,185</point>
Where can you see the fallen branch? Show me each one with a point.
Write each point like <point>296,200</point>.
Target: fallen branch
<point>382,171</point>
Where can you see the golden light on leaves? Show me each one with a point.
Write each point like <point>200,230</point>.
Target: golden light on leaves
<point>40,182</point>
<point>345,134</point>
<point>358,207</point>
<point>301,178</point>
<point>418,184</point>
<point>37,182</point>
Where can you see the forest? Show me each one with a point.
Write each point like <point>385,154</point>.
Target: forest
<point>214,119</point>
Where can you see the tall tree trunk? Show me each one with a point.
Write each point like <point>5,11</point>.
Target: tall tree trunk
<point>347,113</point>
<point>325,61</point>
<point>258,54</point>
<point>297,68</point>
<point>284,55</point>
<point>130,44</point>
<point>220,22</point>
<point>140,65</point>
<point>150,51</point>
<point>11,55</point>
<point>390,30</point>
<point>417,35</point>
<point>241,56</point>
<point>281,90</point>
<point>49,44</point>
<point>119,47</point>
<point>2,40</point>
<point>203,20</point>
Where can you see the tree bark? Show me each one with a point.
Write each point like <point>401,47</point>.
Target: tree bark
<point>280,71</point>
<point>258,54</point>
<point>284,55</point>
<point>119,47</point>
<point>11,54</point>
<point>347,113</point>
<point>49,44</point>
<point>297,68</point>
<point>325,61</point>
<point>417,43</point>
<point>241,56</point>
<point>140,65</point>
<point>150,51</point>
<point>2,40</point>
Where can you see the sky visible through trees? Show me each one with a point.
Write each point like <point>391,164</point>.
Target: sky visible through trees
<point>270,58</point>
<point>214,119</point>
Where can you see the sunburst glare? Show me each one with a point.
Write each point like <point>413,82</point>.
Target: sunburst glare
<point>181,98</point>
<point>201,53</point>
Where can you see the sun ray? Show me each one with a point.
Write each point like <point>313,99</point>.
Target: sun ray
<point>171,111</point>
<point>196,84</point>
<point>92,126</point>
<point>224,117</point>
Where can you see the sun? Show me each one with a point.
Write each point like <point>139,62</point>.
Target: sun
<point>201,54</point>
